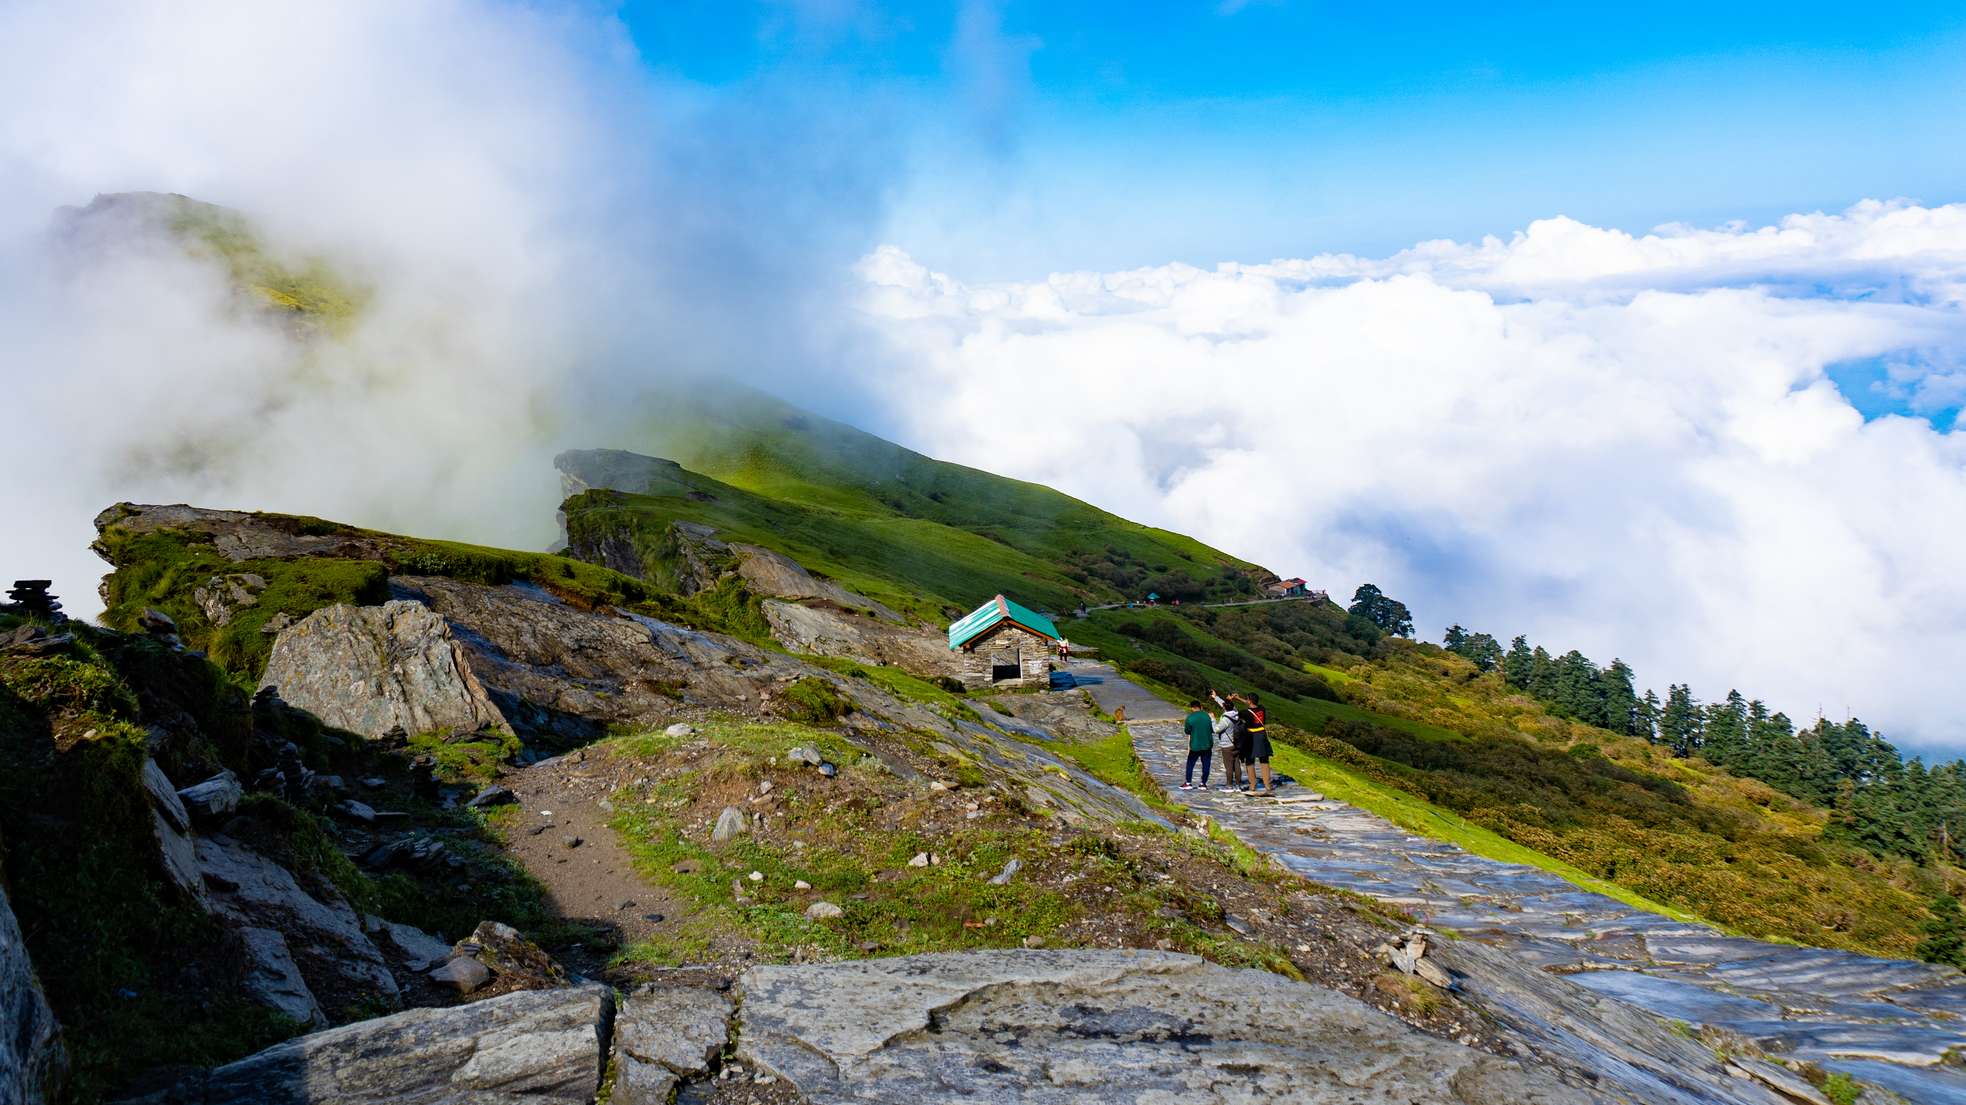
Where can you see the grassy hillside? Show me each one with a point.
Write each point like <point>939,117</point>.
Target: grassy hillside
<point>845,486</point>
<point>307,293</point>
<point>1408,731</point>
<point>1427,740</point>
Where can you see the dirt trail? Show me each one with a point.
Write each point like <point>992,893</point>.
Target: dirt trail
<point>593,882</point>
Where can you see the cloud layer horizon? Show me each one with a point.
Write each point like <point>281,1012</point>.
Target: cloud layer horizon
<point>1635,446</point>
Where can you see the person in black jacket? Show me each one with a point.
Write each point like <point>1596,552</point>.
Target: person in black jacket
<point>1257,746</point>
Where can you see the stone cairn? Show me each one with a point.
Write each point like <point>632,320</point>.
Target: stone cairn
<point>31,598</point>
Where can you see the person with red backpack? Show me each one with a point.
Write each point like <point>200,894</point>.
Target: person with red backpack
<point>1255,740</point>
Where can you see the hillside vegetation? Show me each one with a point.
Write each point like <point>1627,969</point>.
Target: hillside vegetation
<point>1415,719</point>
<point>1423,736</point>
<point>864,507</point>
<point>1410,731</point>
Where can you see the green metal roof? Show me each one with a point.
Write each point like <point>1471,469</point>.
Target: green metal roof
<point>999,609</point>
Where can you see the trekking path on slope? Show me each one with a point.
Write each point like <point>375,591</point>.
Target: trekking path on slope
<point>1886,1021</point>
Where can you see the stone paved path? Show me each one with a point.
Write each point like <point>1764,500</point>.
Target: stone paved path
<point>1886,1021</point>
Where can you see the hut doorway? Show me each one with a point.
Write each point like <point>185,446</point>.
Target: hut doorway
<point>1007,667</point>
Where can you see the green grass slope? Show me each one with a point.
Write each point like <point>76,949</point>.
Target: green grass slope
<point>1405,730</point>
<point>1422,737</point>
<point>850,485</point>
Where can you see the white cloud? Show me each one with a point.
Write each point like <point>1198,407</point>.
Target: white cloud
<point>1624,445</point>
<point>545,226</point>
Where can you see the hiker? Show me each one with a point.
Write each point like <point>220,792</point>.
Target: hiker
<point>1228,737</point>
<point>1201,745</point>
<point>1257,750</point>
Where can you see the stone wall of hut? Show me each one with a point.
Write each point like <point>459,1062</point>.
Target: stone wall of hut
<point>988,660</point>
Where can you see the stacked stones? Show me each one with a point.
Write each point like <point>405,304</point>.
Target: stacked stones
<point>31,597</point>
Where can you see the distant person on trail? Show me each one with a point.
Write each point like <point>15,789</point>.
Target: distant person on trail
<point>1257,750</point>
<point>1228,737</point>
<point>1201,745</point>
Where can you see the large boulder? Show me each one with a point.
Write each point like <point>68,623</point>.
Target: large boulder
<point>369,669</point>
<point>535,1047</point>
<point>1120,1026</point>
<point>32,1062</point>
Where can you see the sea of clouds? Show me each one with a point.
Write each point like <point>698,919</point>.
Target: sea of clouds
<point>1627,445</point>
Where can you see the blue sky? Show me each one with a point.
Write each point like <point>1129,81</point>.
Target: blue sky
<point>1055,136</point>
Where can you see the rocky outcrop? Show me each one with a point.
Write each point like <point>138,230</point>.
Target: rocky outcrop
<point>779,576</point>
<point>319,936</point>
<point>369,669</point>
<point>239,535</point>
<point>32,1061</point>
<point>555,668</point>
<point>1045,1026</point>
<point>614,470</point>
<point>663,1034</point>
<point>536,1047</point>
<point>823,631</point>
<point>223,596</point>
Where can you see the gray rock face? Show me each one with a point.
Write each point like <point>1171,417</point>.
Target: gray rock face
<point>323,934</point>
<point>33,1064</point>
<point>369,669</point>
<point>663,1034</point>
<point>273,978</point>
<point>223,596</point>
<point>215,798</point>
<point>777,575</point>
<point>535,1047</point>
<point>1045,1026</point>
<point>170,824</point>
<point>238,535</point>
<point>826,632</point>
<point>419,949</point>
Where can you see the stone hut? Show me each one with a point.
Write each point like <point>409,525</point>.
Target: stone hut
<point>1002,644</point>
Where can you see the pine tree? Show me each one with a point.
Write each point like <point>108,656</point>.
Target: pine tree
<point>1945,933</point>
<point>1620,699</point>
<point>1518,664</point>
<point>1542,675</point>
<point>1456,640</point>
<point>1726,731</point>
<point>1648,717</point>
<point>1679,724</point>
<point>1388,613</point>
<point>1485,651</point>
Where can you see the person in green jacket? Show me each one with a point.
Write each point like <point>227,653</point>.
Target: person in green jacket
<point>1201,744</point>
